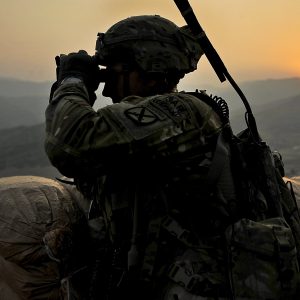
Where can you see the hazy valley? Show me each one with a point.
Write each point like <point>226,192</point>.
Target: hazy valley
<point>275,103</point>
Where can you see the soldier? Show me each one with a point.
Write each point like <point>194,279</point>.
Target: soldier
<point>155,164</point>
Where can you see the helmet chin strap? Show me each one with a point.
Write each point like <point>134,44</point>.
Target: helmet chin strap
<point>126,81</point>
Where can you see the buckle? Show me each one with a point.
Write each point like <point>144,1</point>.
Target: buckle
<point>180,276</point>
<point>175,229</point>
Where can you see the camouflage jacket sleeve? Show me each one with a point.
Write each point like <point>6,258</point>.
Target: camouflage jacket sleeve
<point>80,140</point>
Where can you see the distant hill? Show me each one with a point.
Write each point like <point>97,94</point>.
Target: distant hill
<point>263,92</point>
<point>10,87</point>
<point>22,111</point>
<point>23,103</point>
<point>258,93</point>
<point>276,108</point>
<point>22,152</point>
<point>280,123</point>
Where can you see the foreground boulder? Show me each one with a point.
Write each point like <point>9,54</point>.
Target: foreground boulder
<point>43,240</point>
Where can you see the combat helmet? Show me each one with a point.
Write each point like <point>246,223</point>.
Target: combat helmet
<point>154,43</point>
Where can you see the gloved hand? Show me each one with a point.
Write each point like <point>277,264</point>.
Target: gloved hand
<point>79,65</point>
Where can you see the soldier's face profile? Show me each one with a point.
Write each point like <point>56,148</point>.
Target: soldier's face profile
<point>114,83</point>
<point>121,83</point>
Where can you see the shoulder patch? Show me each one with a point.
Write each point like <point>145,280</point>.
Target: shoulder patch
<point>173,106</point>
<point>140,120</point>
<point>141,115</point>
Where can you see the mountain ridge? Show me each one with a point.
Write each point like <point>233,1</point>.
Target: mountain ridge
<point>22,126</point>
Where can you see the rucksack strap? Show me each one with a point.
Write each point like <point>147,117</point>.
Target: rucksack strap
<point>151,249</point>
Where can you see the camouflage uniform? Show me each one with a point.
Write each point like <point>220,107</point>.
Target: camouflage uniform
<point>161,145</point>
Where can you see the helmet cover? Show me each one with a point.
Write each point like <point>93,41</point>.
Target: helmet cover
<point>154,43</point>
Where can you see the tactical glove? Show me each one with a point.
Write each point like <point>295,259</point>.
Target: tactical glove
<point>82,66</point>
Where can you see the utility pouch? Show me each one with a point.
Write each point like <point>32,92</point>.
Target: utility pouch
<point>262,260</point>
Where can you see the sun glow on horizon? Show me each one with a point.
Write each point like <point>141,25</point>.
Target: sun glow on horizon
<point>254,38</point>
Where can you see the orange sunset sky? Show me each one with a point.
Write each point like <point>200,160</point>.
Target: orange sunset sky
<point>256,39</point>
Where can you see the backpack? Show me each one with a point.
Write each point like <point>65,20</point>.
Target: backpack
<point>263,260</point>
<point>259,257</point>
<point>255,258</point>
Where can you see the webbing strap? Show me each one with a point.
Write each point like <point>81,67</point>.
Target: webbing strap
<point>151,248</point>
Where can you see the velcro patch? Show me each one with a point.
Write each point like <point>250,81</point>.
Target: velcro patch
<point>173,107</point>
<point>141,115</point>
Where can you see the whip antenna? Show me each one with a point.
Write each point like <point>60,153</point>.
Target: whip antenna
<point>215,60</point>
